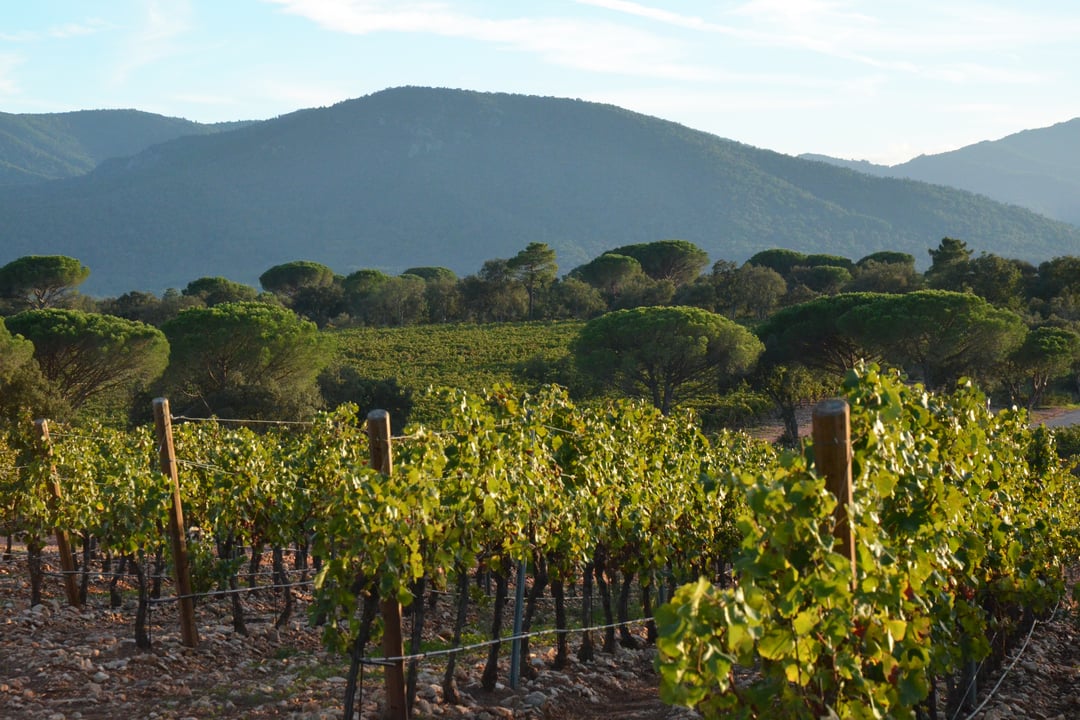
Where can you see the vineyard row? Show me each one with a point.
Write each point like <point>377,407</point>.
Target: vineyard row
<point>961,523</point>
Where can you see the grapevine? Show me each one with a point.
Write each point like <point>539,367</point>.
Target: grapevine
<point>957,537</point>
<point>962,519</point>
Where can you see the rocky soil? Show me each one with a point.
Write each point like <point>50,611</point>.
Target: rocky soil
<point>1041,678</point>
<point>60,663</point>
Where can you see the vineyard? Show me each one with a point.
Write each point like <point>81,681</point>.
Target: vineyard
<point>459,355</point>
<point>720,549</point>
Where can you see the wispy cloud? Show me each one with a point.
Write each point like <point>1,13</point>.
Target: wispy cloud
<point>969,72</point>
<point>21,36</point>
<point>58,32</point>
<point>78,29</point>
<point>152,40</point>
<point>925,40</point>
<point>596,46</point>
<point>8,63</point>
<point>664,16</point>
<point>930,39</point>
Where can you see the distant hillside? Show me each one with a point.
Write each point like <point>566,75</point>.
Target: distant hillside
<point>34,148</point>
<point>415,176</point>
<point>1036,169</point>
<point>863,166</point>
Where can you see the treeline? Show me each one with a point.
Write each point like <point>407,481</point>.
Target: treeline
<point>529,286</point>
<point>228,349</point>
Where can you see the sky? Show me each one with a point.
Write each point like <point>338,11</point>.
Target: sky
<point>877,80</point>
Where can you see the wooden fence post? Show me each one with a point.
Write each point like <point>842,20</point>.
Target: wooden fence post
<point>67,560</point>
<point>832,458</point>
<point>181,572</point>
<point>378,430</point>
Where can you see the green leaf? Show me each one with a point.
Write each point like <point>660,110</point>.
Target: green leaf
<point>776,643</point>
<point>805,621</point>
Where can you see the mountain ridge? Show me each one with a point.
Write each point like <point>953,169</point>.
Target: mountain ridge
<point>50,146</point>
<point>1038,169</point>
<point>425,176</point>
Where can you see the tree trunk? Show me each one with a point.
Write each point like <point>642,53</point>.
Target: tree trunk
<point>33,562</point>
<point>159,571</point>
<point>115,598</point>
<point>280,578</point>
<point>540,579</point>
<point>417,612</point>
<point>587,651</point>
<point>647,610</point>
<point>356,656</point>
<point>225,550</point>
<point>605,603</point>
<point>239,626</point>
<point>561,650</point>
<point>491,669</point>
<point>450,693</point>
<point>84,577</point>
<point>790,438</point>
<point>253,566</point>
<point>300,559</point>
<point>625,638</point>
<point>142,634</point>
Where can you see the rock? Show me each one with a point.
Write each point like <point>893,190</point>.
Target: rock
<point>535,699</point>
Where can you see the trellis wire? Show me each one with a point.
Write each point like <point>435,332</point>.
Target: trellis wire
<point>497,641</point>
<point>1008,670</point>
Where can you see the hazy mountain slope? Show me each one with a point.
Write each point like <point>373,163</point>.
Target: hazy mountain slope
<point>1036,169</point>
<point>61,145</point>
<point>862,166</point>
<point>416,176</point>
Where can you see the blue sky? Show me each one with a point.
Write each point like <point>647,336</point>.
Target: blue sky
<point>877,80</point>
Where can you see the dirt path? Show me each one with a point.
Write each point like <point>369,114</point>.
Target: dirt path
<point>1057,418</point>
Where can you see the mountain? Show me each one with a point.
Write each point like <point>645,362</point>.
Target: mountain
<point>34,148</point>
<point>1036,169</point>
<point>420,176</point>
<point>863,166</point>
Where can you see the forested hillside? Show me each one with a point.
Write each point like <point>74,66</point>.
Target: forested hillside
<point>39,147</point>
<point>416,176</point>
<point>1036,169</point>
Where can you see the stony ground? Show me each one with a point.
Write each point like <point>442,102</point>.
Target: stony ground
<point>1042,682</point>
<point>59,663</point>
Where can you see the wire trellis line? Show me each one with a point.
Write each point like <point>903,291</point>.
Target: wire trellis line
<point>224,593</point>
<point>509,638</point>
<point>1008,670</point>
<point>242,421</point>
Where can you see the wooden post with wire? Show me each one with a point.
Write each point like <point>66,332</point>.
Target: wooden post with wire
<point>378,431</point>
<point>67,560</point>
<point>189,633</point>
<point>832,458</point>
